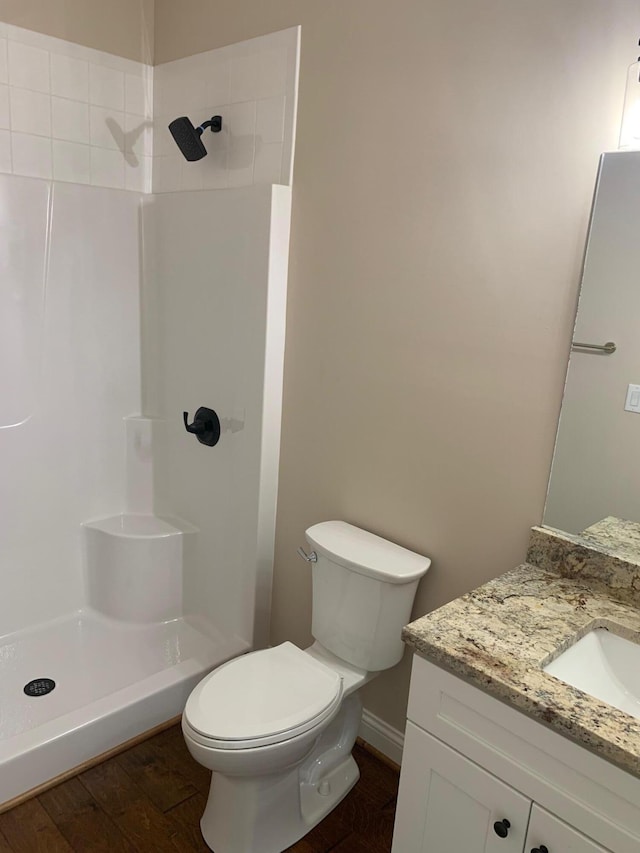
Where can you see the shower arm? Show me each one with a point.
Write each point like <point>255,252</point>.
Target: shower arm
<point>215,123</point>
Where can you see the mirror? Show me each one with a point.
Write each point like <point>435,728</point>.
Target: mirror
<point>596,464</point>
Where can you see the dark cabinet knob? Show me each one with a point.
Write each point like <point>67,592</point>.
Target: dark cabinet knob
<point>501,828</point>
<point>541,849</point>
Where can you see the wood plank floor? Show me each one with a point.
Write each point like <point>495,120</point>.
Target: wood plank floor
<point>151,797</point>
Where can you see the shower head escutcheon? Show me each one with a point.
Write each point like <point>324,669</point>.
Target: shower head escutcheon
<point>187,136</point>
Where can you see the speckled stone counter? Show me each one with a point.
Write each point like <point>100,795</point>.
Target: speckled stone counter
<point>597,559</point>
<point>616,535</point>
<point>500,635</point>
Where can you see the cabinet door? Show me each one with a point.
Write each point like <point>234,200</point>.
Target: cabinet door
<point>548,831</point>
<point>447,804</point>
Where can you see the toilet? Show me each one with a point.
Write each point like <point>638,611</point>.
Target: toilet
<point>277,726</point>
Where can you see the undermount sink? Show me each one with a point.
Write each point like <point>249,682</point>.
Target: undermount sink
<point>603,665</point>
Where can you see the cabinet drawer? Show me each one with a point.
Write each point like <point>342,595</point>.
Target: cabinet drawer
<point>599,799</point>
<point>556,836</point>
<point>447,804</point>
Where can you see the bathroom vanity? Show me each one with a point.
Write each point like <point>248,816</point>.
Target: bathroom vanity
<point>501,756</point>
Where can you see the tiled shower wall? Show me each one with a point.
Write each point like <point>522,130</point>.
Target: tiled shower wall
<point>80,115</point>
<point>72,113</point>
<point>253,86</point>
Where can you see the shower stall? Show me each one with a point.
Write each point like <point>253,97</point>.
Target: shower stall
<point>134,558</point>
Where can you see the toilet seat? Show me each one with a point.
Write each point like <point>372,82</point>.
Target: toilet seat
<point>262,698</point>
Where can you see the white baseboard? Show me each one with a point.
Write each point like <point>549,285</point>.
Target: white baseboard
<point>381,736</point>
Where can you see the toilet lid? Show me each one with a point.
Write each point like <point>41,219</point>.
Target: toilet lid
<point>263,697</point>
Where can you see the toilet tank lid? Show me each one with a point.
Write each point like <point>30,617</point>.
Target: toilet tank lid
<point>366,553</point>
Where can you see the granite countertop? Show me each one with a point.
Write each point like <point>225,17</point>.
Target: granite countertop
<point>500,635</point>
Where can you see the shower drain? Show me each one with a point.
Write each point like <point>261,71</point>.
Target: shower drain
<point>39,687</point>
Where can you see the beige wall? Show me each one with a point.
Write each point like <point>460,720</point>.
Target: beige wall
<point>123,27</point>
<point>445,162</point>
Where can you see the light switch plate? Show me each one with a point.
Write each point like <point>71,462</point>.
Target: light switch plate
<point>632,403</point>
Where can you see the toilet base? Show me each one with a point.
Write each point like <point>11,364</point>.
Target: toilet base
<point>267,814</point>
<point>264,816</point>
<point>318,799</point>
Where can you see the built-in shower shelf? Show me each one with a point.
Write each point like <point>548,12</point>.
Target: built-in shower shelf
<point>140,526</point>
<point>134,566</point>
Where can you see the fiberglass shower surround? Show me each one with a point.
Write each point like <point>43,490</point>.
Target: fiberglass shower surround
<point>135,558</point>
<point>149,545</point>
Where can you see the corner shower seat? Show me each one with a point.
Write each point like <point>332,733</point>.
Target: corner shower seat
<point>135,567</point>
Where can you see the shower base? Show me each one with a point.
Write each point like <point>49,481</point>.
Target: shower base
<point>114,680</point>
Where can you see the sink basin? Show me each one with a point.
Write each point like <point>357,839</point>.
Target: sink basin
<point>605,666</point>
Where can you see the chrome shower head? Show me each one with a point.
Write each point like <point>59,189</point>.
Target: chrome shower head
<point>187,136</point>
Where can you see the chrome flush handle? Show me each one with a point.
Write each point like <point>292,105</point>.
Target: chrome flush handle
<point>310,558</point>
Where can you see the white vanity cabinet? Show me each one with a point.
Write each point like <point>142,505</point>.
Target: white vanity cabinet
<point>447,804</point>
<point>480,777</point>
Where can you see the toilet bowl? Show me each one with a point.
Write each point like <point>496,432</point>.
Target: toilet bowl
<point>277,726</point>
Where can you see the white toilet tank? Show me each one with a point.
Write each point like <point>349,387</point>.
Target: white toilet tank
<point>363,591</point>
